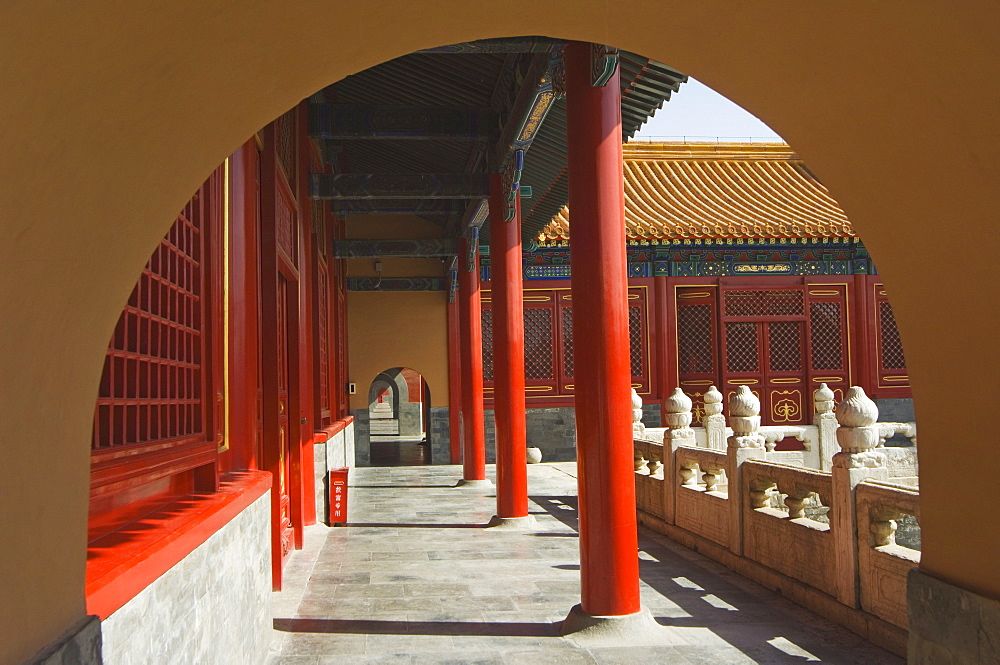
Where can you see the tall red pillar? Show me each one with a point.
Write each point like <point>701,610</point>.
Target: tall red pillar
<point>609,563</point>
<point>508,354</point>
<point>470,328</point>
<point>454,384</point>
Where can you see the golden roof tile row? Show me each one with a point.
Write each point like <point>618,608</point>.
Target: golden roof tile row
<point>719,190</point>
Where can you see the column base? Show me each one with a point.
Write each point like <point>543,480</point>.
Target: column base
<point>639,629</point>
<point>949,624</point>
<point>526,523</point>
<point>486,482</point>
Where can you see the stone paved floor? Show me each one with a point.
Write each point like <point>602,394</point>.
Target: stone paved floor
<point>416,579</point>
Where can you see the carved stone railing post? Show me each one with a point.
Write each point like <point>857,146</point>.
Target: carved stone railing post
<point>858,459</point>
<point>638,430</point>
<point>746,443</point>
<point>677,409</point>
<point>714,421</point>
<point>826,423</point>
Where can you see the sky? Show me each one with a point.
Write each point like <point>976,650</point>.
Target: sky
<point>697,112</point>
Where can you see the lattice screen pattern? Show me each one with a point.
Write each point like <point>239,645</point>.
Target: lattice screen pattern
<point>635,331</point>
<point>826,321</point>
<point>694,339</point>
<point>892,346</point>
<point>538,344</point>
<point>153,381</point>
<point>742,347</point>
<point>487,315</point>
<point>567,342</point>
<point>784,345</point>
<point>764,303</point>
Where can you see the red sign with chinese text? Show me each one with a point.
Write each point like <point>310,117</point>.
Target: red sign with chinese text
<point>338,495</point>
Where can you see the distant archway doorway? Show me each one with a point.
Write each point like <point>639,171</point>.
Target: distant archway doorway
<point>398,414</point>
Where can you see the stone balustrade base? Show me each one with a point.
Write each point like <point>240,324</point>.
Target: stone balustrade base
<point>949,624</point>
<point>875,630</point>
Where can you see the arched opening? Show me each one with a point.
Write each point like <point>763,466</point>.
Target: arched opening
<point>398,419</point>
<point>133,187</point>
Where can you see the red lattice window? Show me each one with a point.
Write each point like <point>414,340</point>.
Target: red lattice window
<point>826,322</point>
<point>784,344</point>
<point>759,303</point>
<point>538,344</point>
<point>891,346</point>
<point>567,342</point>
<point>742,347</point>
<point>487,344</point>
<point>694,339</point>
<point>635,346</point>
<point>153,385</point>
<point>323,341</point>
<point>285,137</point>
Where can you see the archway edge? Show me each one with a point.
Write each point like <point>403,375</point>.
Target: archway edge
<point>113,114</point>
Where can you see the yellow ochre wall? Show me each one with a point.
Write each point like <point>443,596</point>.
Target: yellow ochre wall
<point>112,113</point>
<point>388,329</point>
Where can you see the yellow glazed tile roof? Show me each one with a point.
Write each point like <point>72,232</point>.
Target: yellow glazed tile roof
<point>719,190</point>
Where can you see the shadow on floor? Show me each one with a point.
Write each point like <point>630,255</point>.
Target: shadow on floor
<point>382,627</point>
<point>403,525</point>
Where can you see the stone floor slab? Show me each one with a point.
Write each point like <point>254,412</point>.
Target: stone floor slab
<point>416,578</point>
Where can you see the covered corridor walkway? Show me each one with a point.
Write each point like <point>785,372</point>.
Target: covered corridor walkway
<point>416,578</point>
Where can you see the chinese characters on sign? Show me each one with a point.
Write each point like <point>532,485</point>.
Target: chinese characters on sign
<point>338,495</point>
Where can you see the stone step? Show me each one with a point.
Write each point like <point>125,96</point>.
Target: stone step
<point>384,426</point>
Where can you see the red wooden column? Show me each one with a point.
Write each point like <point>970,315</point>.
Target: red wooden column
<point>471,332</point>
<point>454,384</point>
<point>243,329</point>
<point>508,355</point>
<point>609,563</point>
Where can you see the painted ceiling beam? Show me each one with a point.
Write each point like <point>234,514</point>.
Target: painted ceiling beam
<point>420,208</point>
<point>396,284</point>
<point>400,248</point>
<point>502,45</point>
<point>531,105</point>
<point>372,186</point>
<point>348,121</point>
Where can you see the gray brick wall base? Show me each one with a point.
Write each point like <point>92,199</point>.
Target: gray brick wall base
<point>213,606</point>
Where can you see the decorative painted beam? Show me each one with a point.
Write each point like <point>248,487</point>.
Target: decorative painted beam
<point>396,284</point>
<point>420,208</point>
<point>424,186</point>
<point>542,83</point>
<point>346,121</point>
<point>502,45</point>
<point>398,248</point>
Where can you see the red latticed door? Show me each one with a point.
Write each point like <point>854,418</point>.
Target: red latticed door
<point>488,365</point>
<point>539,347</point>
<point>638,336</point>
<point>828,342</point>
<point>284,456</point>
<point>564,347</point>
<point>697,341</point>
<point>765,347</point>
<point>889,358</point>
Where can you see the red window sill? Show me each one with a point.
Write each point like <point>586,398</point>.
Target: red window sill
<point>127,560</point>
<point>324,435</point>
